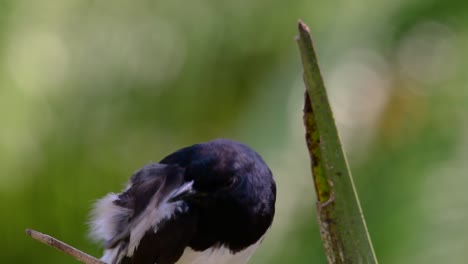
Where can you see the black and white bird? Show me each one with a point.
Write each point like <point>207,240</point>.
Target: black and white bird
<point>210,203</point>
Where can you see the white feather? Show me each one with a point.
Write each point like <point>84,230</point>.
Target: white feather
<point>149,219</point>
<point>103,218</point>
<point>217,255</point>
<point>110,255</point>
<point>105,213</point>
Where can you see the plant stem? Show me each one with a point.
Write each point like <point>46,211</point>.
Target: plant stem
<point>342,226</point>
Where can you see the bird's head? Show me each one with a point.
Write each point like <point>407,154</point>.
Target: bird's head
<point>222,170</point>
<point>208,179</point>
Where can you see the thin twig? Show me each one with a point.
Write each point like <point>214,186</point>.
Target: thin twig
<point>53,242</point>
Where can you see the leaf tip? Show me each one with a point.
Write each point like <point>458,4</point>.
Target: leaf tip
<point>303,27</point>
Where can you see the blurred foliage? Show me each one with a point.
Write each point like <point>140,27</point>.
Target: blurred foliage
<point>91,90</point>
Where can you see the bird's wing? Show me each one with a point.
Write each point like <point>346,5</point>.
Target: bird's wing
<point>138,225</point>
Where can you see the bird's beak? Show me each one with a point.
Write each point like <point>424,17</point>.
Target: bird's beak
<point>184,191</point>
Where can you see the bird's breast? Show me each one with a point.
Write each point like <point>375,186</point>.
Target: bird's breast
<point>216,255</point>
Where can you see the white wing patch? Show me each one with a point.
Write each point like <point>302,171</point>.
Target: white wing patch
<point>103,223</point>
<point>149,219</point>
<point>106,215</point>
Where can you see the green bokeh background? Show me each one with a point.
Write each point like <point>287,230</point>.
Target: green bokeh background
<point>92,90</point>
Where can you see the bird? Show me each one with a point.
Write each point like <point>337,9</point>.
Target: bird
<point>208,203</point>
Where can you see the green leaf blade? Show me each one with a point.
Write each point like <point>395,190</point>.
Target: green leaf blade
<point>342,225</point>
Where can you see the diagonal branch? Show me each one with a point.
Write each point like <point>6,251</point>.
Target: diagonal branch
<point>53,242</point>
